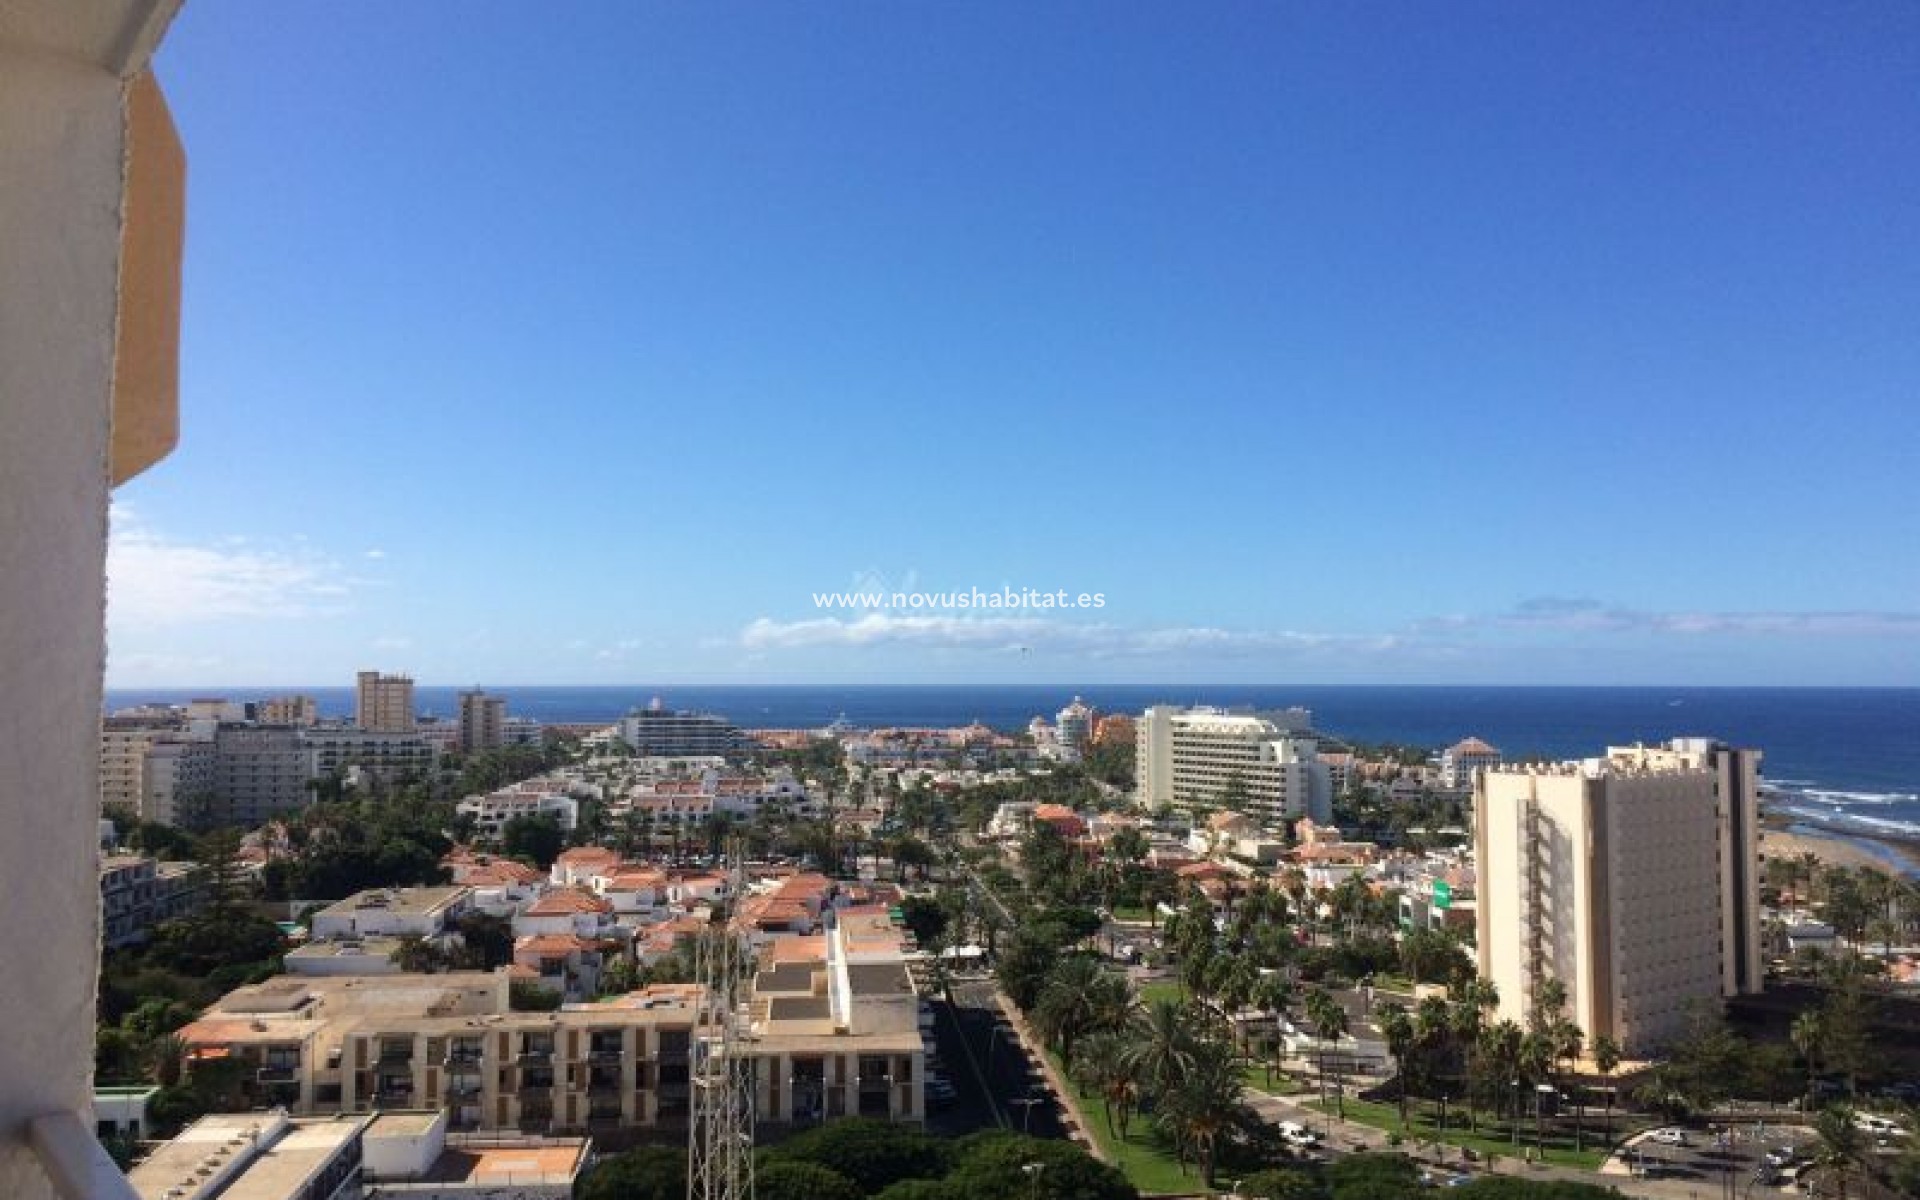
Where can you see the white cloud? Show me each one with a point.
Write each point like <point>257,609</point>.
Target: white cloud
<point>1022,634</point>
<point>154,580</point>
<point>376,554</point>
<point>1560,614</point>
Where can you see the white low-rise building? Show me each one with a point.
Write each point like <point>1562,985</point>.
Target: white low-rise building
<point>424,912</point>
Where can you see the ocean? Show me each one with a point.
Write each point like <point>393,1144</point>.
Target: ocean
<point>1842,759</point>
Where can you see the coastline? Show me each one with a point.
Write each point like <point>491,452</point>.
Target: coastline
<point>1837,849</point>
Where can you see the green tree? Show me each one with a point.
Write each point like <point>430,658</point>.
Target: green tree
<point>783,1179</point>
<point>1080,996</point>
<point>1329,1022</point>
<point>872,1154</point>
<point>1027,1168</point>
<point>1396,1026</point>
<point>536,838</point>
<point>644,1173</point>
<point>1807,1034</point>
<point>1841,1143</point>
<point>1203,1107</point>
<point>1373,1177</point>
<point>1606,1057</point>
<point>1109,1067</point>
<point>1164,1045</point>
<point>1282,1183</point>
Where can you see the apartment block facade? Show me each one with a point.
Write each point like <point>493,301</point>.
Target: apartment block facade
<point>483,722</point>
<point>323,1045</point>
<point>383,703</point>
<point>261,773</point>
<point>390,754</point>
<point>1200,757</point>
<point>657,731</point>
<point>1630,879</point>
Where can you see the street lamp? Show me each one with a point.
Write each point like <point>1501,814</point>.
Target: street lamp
<point>1026,1104</point>
<point>1033,1170</point>
<point>1514,1120</point>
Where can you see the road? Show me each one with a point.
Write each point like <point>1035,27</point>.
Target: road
<point>1014,1084</point>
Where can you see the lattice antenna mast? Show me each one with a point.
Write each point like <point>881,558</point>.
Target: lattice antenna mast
<point>720,1133</point>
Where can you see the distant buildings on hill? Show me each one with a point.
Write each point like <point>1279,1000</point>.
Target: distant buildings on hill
<point>214,761</point>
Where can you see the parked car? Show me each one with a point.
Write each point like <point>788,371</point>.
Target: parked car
<point>1669,1137</point>
<point>1296,1134</point>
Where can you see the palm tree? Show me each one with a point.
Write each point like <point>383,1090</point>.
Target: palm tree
<point>1203,1107</point>
<point>1397,1027</point>
<point>1079,997</point>
<point>1810,866</point>
<point>1841,1143</point>
<point>167,1057</point>
<point>1432,1034</point>
<point>1498,1056</point>
<point>1163,1044</point>
<point>1111,1069</point>
<point>1329,1022</point>
<point>1567,1042</point>
<point>1270,996</point>
<point>1808,1035</point>
<point>1606,1056</point>
<point>1474,1000</point>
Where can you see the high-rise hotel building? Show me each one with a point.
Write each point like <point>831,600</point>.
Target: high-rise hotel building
<point>1198,757</point>
<point>1631,879</point>
<point>483,721</point>
<point>384,703</point>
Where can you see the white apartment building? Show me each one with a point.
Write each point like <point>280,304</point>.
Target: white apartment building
<point>1631,879</point>
<point>1459,761</point>
<point>1194,757</point>
<point>533,798</point>
<point>423,912</point>
<point>657,731</point>
<point>392,755</point>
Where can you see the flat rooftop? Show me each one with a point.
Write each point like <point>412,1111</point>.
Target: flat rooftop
<point>879,979</point>
<point>415,901</point>
<point>252,1156</point>
<point>480,1163</point>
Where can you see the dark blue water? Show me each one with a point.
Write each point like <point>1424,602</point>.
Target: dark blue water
<point>1844,757</point>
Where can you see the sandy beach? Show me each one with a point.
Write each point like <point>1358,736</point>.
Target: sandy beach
<point>1840,850</point>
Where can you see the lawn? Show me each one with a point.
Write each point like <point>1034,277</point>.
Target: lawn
<point>1157,989</point>
<point>1149,1167</point>
<point>1495,1136</point>
<point>1254,1075</point>
<point>1132,912</point>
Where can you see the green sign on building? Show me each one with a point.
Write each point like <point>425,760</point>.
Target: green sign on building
<point>1442,894</point>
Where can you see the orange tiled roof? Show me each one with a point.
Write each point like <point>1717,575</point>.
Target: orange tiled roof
<point>562,901</point>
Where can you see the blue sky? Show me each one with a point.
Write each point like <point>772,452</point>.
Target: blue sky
<point>1332,343</point>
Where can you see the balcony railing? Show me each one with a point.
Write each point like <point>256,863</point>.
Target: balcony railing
<point>536,1054</point>
<point>278,1073</point>
<point>456,1059</point>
